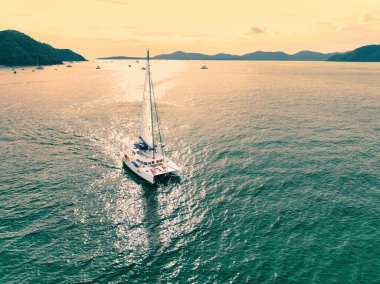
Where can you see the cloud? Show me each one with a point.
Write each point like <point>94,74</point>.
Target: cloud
<point>328,26</point>
<point>195,34</point>
<point>368,18</point>
<point>256,31</point>
<point>290,15</point>
<point>153,33</point>
<point>22,15</point>
<point>169,34</point>
<point>119,2</point>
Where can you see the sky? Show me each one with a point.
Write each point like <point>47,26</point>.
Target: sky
<point>96,28</point>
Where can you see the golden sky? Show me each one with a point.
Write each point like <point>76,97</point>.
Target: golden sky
<point>96,28</point>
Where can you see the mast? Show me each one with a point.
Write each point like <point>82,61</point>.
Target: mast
<point>150,100</point>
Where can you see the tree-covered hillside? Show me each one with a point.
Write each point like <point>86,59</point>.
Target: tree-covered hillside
<point>18,49</point>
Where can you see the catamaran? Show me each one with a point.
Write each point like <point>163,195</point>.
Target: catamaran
<point>145,158</point>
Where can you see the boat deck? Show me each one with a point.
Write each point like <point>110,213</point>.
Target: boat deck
<point>144,161</point>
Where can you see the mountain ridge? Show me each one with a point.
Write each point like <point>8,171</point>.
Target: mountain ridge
<point>304,55</point>
<point>366,53</point>
<point>19,49</point>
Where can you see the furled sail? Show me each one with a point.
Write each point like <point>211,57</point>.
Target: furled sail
<point>146,126</point>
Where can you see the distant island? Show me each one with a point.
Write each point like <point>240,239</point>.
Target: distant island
<point>369,53</point>
<point>122,58</point>
<point>18,49</point>
<point>258,55</point>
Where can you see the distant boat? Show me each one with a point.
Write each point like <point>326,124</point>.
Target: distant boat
<point>144,158</point>
<point>204,67</point>
<point>39,67</point>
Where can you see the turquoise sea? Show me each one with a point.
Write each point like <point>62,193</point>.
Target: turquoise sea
<point>279,162</point>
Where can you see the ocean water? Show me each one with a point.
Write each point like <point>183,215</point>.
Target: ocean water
<point>279,162</point>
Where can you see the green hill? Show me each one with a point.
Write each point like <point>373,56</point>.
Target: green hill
<point>367,53</point>
<point>18,49</point>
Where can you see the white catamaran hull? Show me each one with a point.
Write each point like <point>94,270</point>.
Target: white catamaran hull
<point>147,174</point>
<point>143,174</point>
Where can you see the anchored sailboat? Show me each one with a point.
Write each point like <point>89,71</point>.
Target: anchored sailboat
<point>39,67</point>
<point>145,158</point>
<point>204,65</point>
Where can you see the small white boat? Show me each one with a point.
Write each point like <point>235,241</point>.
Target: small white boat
<point>145,158</point>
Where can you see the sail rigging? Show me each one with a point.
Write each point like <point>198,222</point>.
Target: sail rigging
<point>146,126</point>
